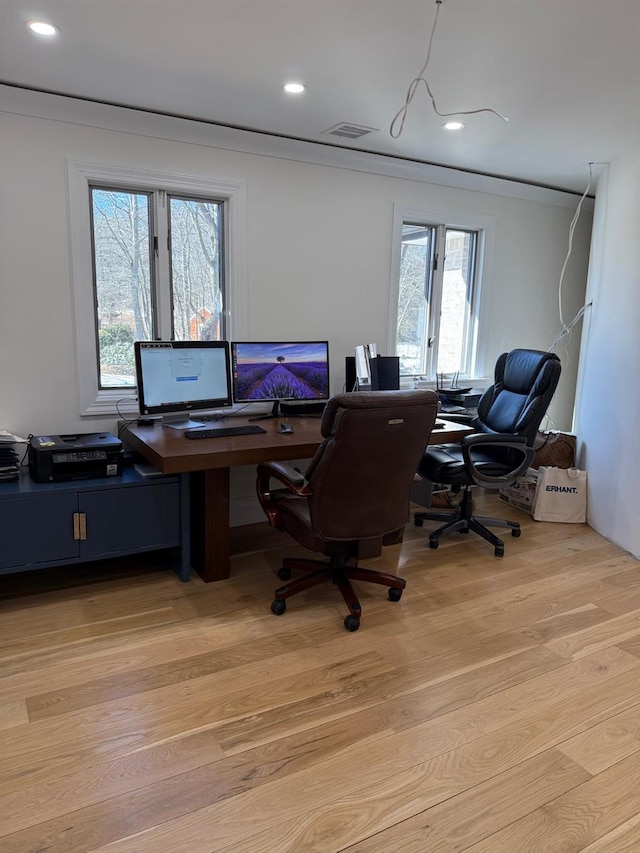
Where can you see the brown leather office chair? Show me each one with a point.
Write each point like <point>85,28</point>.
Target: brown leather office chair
<point>354,497</point>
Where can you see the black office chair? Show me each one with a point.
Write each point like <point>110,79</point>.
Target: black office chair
<point>500,450</point>
<point>354,497</point>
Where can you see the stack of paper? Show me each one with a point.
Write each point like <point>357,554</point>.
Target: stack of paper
<point>9,459</point>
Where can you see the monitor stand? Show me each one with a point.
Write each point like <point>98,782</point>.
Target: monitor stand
<point>274,413</point>
<point>285,414</point>
<point>181,421</point>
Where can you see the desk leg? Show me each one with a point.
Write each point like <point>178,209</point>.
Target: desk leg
<point>210,523</point>
<point>183,567</point>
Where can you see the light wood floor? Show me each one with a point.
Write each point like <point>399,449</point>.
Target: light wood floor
<point>494,709</point>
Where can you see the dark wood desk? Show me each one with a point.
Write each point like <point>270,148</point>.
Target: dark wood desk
<point>209,461</point>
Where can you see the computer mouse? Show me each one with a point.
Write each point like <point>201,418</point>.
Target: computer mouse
<point>285,428</point>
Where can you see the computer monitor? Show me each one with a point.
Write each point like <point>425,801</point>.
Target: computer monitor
<point>177,377</point>
<point>277,371</point>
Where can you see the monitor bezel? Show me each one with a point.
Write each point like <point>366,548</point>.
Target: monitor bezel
<point>233,346</point>
<point>189,405</point>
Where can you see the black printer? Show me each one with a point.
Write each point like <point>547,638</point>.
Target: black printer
<point>54,458</point>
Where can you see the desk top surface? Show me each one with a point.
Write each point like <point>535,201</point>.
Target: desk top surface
<point>172,453</point>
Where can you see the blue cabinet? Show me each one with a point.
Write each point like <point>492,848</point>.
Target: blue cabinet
<point>50,524</point>
<point>37,529</point>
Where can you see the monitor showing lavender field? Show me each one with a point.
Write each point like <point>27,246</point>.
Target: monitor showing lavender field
<point>280,371</point>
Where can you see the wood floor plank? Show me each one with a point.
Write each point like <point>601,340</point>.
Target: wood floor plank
<point>60,743</point>
<point>242,661</point>
<point>403,837</point>
<point>13,714</point>
<point>605,633</point>
<point>572,821</point>
<point>621,601</point>
<point>525,588</point>
<point>396,778</point>
<point>134,809</point>
<point>64,637</point>
<point>405,697</point>
<point>607,743</point>
<point>484,809</point>
<point>623,839</point>
<point>116,653</point>
<point>106,779</point>
<point>632,646</point>
<point>494,708</point>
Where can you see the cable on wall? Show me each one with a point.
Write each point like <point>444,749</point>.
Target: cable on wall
<point>401,115</point>
<point>565,330</point>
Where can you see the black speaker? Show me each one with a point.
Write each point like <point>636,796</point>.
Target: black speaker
<point>350,373</point>
<point>385,373</point>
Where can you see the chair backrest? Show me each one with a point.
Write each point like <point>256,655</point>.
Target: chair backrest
<point>525,381</point>
<point>361,475</point>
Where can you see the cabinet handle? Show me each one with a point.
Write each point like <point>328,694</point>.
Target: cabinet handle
<point>76,526</point>
<point>83,526</point>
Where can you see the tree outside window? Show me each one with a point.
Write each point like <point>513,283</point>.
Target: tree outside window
<point>150,249</point>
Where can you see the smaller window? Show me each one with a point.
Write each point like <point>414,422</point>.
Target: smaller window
<point>436,299</point>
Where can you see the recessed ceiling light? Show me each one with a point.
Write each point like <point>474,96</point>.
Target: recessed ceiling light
<point>42,28</point>
<point>453,125</point>
<point>294,88</point>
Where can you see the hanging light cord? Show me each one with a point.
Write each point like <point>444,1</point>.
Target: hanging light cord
<point>401,115</point>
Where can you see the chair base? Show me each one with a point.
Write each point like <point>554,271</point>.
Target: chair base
<point>463,520</point>
<point>339,571</point>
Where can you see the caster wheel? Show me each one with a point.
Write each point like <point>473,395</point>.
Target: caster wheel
<point>278,607</point>
<point>499,552</point>
<point>515,532</point>
<point>394,594</point>
<point>433,543</point>
<point>351,623</point>
<point>418,522</point>
<point>284,574</point>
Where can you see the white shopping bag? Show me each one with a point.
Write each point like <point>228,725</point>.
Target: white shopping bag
<point>561,495</point>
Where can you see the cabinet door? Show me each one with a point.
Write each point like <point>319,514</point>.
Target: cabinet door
<point>37,529</point>
<point>131,519</point>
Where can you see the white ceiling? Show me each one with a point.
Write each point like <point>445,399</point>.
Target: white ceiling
<point>565,72</point>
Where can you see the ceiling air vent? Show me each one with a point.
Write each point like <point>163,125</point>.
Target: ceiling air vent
<point>346,130</point>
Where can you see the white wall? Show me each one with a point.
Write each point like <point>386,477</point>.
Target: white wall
<point>608,400</point>
<point>319,245</point>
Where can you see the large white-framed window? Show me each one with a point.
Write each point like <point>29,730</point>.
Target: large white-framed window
<point>438,290</point>
<point>154,256</point>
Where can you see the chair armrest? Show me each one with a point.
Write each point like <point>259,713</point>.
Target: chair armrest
<point>293,480</point>
<point>517,443</point>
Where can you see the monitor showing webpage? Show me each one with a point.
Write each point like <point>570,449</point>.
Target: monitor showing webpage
<point>182,376</point>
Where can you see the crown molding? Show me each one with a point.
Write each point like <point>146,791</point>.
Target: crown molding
<point>140,122</point>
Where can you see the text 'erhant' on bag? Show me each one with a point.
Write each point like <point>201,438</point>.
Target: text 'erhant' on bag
<point>561,495</point>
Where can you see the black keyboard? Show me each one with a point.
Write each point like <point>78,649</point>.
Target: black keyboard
<point>224,432</point>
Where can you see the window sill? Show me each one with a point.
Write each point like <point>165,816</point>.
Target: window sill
<point>478,384</point>
<point>110,405</point>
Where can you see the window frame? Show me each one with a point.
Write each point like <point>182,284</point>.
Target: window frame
<point>92,400</point>
<point>484,226</point>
